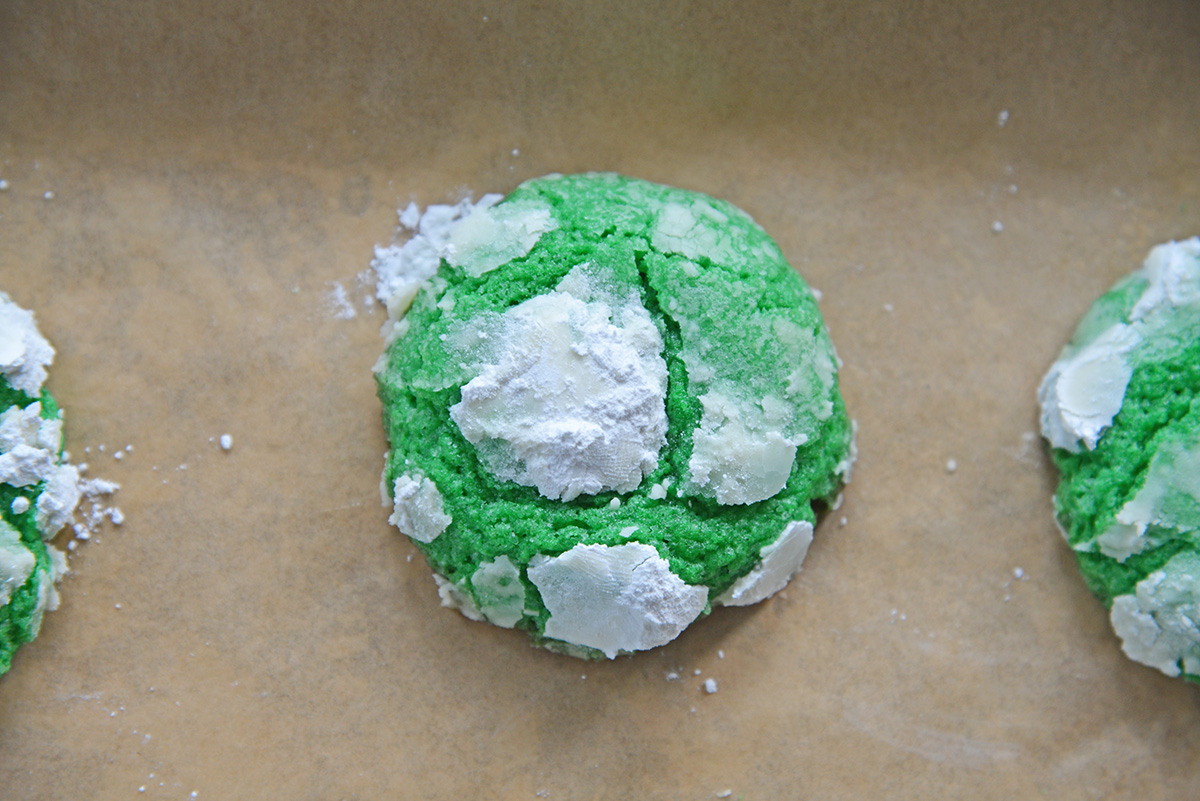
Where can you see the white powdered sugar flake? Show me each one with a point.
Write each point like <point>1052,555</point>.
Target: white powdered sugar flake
<point>418,510</point>
<point>614,598</point>
<point>24,352</point>
<point>780,561</point>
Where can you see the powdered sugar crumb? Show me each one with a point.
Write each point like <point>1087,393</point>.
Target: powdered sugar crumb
<point>410,217</point>
<point>93,510</point>
<point>338,302</point>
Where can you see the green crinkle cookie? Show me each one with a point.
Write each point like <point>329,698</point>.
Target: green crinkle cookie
<point>37,492</point>
<point>611,404</point>
<point>1121,411</point>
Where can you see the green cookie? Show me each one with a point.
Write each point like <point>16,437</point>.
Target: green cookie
<point>1121,411</point>
<point>38,493</point>
<point>611,405</point>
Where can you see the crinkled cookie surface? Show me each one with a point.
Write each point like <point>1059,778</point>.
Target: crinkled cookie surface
<point>38,493</point>
<point>610,405</point>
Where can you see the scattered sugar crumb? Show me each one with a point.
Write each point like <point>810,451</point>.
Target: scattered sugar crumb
<point>116,606</point>
<point>338,302</point>
<point>615,503</point>
<point>1029,452</point>
<point>1002,118</point>
<point>725,794</point>
<point>951,465</point>
<point>226,442</point>
<point>410,217</point>
<point>697,672</point>
<point>997,227</point>
<point>816,293</point>
<point>720,654</point>
<point>3,184</point>
<point>1012,189</point>
<point>516,151</point>
<point>710,686</point>
<point>889,308</point>
<point>672,675</point>
<point>119,455</point>
<point>1018,573</point>
<point>843,521</point>
<point>49,195</point>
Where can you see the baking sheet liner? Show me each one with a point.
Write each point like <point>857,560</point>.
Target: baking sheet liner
<point>220,173</point>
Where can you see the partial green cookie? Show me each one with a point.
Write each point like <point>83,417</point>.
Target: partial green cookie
<point>1121,411</point>
<point>611,405</point>
<point>38,493</point>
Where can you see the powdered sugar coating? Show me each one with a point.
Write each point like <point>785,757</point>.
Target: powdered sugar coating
<point>779,562</point>
<point>572,401</point>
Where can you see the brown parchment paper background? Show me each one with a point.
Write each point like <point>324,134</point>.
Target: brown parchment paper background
<point>256,629</point>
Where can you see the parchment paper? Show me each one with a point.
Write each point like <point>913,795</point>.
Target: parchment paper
<point>257,630</point>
